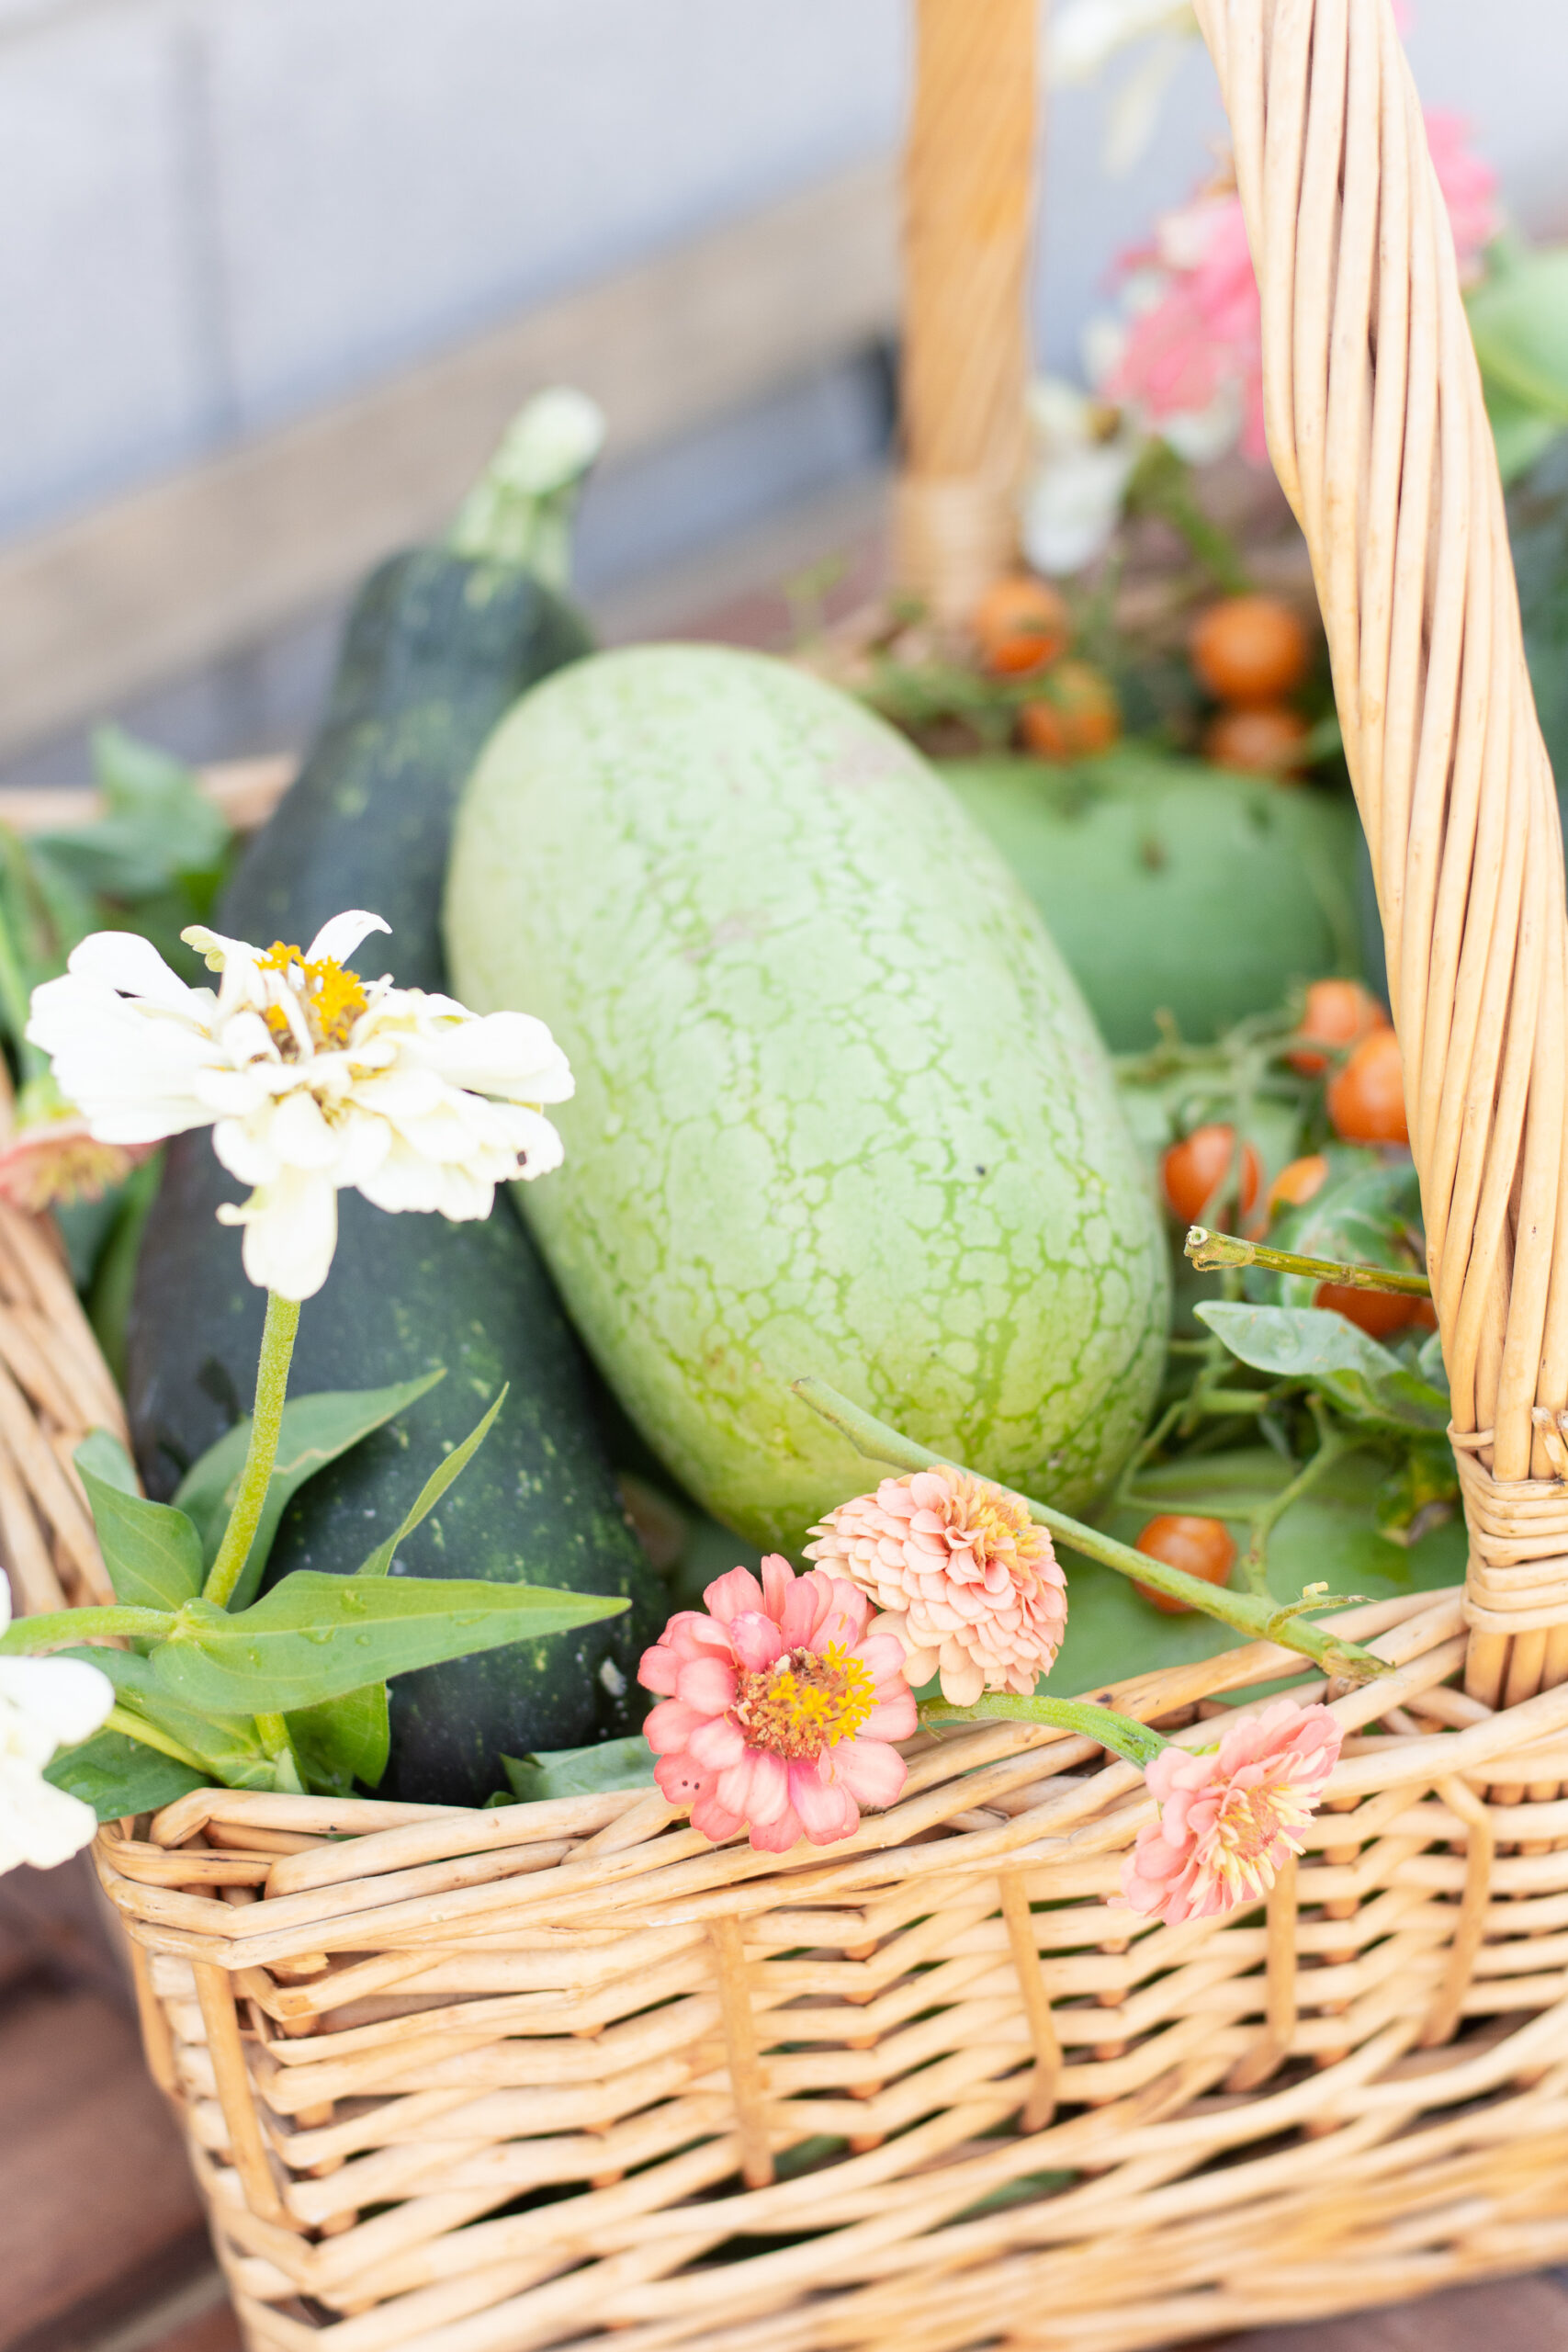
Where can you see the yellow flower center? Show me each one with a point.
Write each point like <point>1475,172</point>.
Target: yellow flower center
<point>1251,1821</point>
<point>807,1701</point>
<point>334,998</point>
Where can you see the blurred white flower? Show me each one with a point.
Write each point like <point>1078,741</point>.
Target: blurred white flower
<point>1086,34</point>
<point>310,1079</point>
<point>1085,457</point>
<point>45,1703</point>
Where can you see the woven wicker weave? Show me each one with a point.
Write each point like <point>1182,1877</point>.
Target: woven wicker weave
<point>484,2082</point>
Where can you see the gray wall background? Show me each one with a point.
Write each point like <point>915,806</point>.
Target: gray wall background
<point>217,213</point>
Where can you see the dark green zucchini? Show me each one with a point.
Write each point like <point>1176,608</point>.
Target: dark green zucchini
<point>437,647</point>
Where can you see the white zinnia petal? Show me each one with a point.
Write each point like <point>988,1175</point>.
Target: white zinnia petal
<point>131,964</point>
<point>339,938</point>
<point>299,1135</point>
<point>290,1233</point>
<point>65,1696</point>
<point>41,1825</point>
<point>45,1703</point>
<point>501,1053</point>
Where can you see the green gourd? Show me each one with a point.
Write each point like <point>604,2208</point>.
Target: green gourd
<point>840,1106</point>
<point>1173,886</point>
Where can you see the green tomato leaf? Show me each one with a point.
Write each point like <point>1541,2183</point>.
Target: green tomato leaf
<point>158,825</point>
<point>317,1637</point>
<point>429,1494</point>
<point>315,1430</point>
<point>581,1771</point>
<point>345,1740</point>
<point>151,1551</point>
<point>1518,320</point>
<point>115,1775</point>
<point>1368,1383</point>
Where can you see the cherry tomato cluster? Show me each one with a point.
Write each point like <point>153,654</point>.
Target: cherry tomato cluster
<point>1251,653</point>
<point>1022,629</point>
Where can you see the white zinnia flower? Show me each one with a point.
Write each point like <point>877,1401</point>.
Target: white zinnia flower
<point>45,1703</point>
<point>1085,454</point>
<point>311,1080</point>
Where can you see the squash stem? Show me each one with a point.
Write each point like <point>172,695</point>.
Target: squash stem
<point>272,1386</point>
<point>1247,1612</point>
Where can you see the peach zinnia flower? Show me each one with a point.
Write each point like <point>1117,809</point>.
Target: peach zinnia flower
<point>52,1158</point>
<point>1229,1814</point>
<point>779,1708</point>
<point>969,1582</point>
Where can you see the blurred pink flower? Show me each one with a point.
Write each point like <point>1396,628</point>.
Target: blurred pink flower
<point>1228,1814</point>
<point>1194,347</point>
<point>969,1582</point>
<point>57,1161</point>
<point>779,1708</point>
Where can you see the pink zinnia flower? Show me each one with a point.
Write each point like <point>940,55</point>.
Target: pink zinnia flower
<point>969,1582</point>
<point>779,1708</point>
<point>1228,1814</point>
<point>1200,338</point>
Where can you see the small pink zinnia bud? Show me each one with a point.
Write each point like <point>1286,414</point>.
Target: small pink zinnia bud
<point>1229,1814</point>
<point>779,1708</point>
<point>969,1582</point>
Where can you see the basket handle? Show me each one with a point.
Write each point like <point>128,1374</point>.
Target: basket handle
<point>1380,437</point>
<point>968,207</point>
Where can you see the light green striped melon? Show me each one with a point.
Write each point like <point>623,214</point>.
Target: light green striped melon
<point>840,1106</point>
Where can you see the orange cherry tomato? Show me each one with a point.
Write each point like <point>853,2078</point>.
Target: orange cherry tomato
<point>1338,1012</point>
<point>1193,1170</point>
<point>1366,1099</point>
<point>1020,625</point>
<point>1079,716</point>
<point>1298,1183</point>
<point>1379,1313</point>
<point>1205,1547</point>
<point>1249,650</point>
<point>1265,739</point>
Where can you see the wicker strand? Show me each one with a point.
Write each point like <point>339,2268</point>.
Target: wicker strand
<point>968,188</point>
<point>1378,435</point>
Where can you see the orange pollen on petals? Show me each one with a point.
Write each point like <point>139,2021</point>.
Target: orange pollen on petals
<point>332,997</point>
<point>807,1701</point>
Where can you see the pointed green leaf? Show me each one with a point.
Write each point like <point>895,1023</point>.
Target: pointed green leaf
<point>345,1740</point>
<point>429,1494</point>
<point>106,1459</point>
<point>118,1776</point>
<point>317,1637</point>
<point>151,1551</point>
<point>315,1430</point>
<point>1369,1382</point>
<point>581,1771</point>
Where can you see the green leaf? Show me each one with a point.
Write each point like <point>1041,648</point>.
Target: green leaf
<point>115,1775</point>
<point>229,1745</point>
<point>1518,320</point>
<point>345,1740</point>
<point>1419,1493</point>
<point>158,825</point>
<point>315,1430</point>
<point>581,1771</point>
<point>151,1551</point>
<point>429,1494</point>
<point>101,1452</point>
<point>317,1637</point>
<point>1368,1383</point>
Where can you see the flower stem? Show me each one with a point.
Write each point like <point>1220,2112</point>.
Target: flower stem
<point>137,1728</point>
<point>1247,1612</point>
<point>273,1733</point>
<point>63,1628</point>
<point>272,1386</point>
<point>1208,1250</point>
<point>1135,1741</point>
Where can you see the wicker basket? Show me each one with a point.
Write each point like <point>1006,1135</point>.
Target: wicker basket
<point>479,2082</point>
